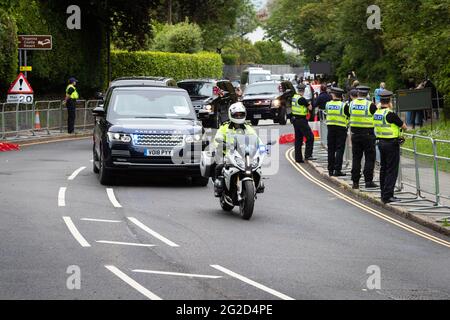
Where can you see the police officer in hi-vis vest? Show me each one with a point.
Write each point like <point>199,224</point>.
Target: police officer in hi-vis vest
<point>388,126</point>
<point>71,102</point>
<point>337,123</point>
<point>300,109</point>
<point>361,111</point>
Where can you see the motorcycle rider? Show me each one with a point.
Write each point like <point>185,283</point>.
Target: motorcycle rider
<point>237,125</point>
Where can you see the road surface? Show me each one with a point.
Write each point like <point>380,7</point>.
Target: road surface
<point>147,238</point>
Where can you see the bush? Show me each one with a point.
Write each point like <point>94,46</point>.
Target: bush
<point>174,65</point>
<point>229,59</point>
<point>271,52</point>
<point>8,49</point>
<point>182,37</point>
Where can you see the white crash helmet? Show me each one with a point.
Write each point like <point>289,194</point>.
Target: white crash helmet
<point>237,113</point>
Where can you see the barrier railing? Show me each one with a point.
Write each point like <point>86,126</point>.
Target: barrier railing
<point>424,173</point>
<point>42,116</point>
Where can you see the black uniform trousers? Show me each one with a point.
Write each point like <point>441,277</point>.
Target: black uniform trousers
<point>71,113</point>
<point>363,144</point>
<point>336,147</point>
<point>390,160</point>
<point>302,129</point>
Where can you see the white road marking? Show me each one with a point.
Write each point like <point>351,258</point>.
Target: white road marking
<point>100,220</point>
<point>112,198</point>
<point>189,275</point>
<point>153,233</point>
<point>133,283</point>
<point>75,173</point>
<point>126,243</point>
<point>75,233</point>
<point>251,282</point>
<point>62,197</point>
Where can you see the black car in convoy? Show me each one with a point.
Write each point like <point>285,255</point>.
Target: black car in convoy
<point>143,125</point>
<point>211,99</point>
<point>269,100</point>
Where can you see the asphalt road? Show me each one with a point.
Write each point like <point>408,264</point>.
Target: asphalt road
<point>159,239</point>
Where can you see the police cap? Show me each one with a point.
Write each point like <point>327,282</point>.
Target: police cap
<point>363,89</point>
<point>385,96</point>
<point>72,79</point>
<point>336,90</point>
<point>301,87</point>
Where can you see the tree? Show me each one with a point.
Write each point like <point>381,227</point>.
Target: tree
<point>8,49</point>
<point>244,51</point>
<point>182,37</point>
<point>271,52</point>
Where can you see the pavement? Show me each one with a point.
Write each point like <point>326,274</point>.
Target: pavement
<point>154,238</point>
<point>419,209</point>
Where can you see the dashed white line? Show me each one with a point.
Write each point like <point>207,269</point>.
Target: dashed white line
<point>75,233</point>
<point>252,283</point>
<point>75,173</point>
<point>101,220</point>
<point>62,197</point>
<point>189,275</point>
<point>153,233</point>
<point>112,198</point>
<point>126,243</point>
<point>150,295</point>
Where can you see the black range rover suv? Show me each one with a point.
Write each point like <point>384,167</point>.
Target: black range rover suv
<point>211,99</point>
<point>269,100</point>
<point>146,126</point>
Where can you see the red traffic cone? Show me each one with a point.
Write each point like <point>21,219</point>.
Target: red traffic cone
<point>37,121</point>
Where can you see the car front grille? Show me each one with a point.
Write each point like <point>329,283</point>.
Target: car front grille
<point>257,103</point>
<point>158,140</point>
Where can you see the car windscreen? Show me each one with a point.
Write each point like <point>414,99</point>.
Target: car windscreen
<point>255,77</point>
<point>198,89</point>
<point>138,103</point>
<point>266,88</point>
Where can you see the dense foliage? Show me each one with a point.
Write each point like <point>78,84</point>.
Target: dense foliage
<point>8,49</point>
<point>183,37</point>
<point>174,65</point>
<point>413,40</point>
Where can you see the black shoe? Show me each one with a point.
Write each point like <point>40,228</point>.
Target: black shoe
<point>311,159</point>
<point>300,161</point>
<point>330,173</point>
<point>355,186</point>
<point>392,200</point>
<point>339,174</point>
<point>372,185</point>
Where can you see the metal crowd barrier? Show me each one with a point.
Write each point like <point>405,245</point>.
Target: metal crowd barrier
<point>42,116</point>
<point>421,175</point>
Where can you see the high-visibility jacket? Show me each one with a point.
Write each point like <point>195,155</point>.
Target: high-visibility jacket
<point>226,134</point>
<point>335,114</point>
<point>383,129</point>
<point>360,116</point>
<point>74,94</point>
<point>297,109</point>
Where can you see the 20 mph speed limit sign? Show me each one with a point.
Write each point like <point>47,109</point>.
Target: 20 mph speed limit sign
<point>19,98</point>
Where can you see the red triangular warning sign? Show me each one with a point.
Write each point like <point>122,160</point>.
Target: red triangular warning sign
<point>20,85</point>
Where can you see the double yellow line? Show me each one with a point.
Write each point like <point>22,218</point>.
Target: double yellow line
<point>307,175</point>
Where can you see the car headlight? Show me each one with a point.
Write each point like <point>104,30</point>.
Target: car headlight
<point>119,137</point>
<point>192,138</point>
<point>208,107</point>
<point>276,103</point>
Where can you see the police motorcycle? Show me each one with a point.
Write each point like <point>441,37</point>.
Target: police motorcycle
<point>241,176</point>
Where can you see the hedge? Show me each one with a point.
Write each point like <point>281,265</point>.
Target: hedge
<point>164,64</point>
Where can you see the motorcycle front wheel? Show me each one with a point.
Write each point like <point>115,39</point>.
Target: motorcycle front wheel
<point>248,200</point>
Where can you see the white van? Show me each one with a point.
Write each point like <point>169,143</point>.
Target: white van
<point>252,75</point>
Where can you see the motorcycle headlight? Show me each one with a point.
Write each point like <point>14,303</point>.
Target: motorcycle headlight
<point>119,137</point>
<point>192,138</point>
<point>239,162</point>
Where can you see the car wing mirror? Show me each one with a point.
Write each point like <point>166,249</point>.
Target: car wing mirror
<point>99,111</point>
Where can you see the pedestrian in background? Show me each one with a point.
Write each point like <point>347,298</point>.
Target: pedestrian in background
<point>388,127</point>
<point>300,108</point>
<point>337,124</point>
<point>361,111</point>
<point>378,91</point>
<point>321,101</point>
<point>71,103</point>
